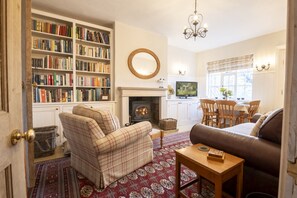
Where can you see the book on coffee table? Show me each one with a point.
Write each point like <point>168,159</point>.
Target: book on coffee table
<point>215,154</point>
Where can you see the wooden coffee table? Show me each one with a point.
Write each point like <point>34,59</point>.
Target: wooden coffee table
<point>214,171</point>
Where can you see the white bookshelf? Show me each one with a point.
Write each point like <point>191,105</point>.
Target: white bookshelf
<point>84,47</point>
<point>56,73</point>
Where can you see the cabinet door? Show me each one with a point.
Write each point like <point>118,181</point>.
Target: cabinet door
<point>194,112</point>
<point>182,110</point>
<point>172,110</point>
<point>48,116</point>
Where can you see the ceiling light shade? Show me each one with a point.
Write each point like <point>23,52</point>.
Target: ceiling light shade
<point>195,29</point>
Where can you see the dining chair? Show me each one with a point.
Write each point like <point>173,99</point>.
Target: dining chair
<point>253,108</point>
<point>226,112</point>
<point>209,112</point>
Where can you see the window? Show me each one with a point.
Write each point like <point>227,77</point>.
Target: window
<point>235,74</point>
<point>238,81</point>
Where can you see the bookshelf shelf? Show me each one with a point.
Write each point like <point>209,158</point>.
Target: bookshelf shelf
<point>91,43</point>
<point>88,87</point>
<point>91,73</point>
<point>39,51</point>
<point>49,35</point>
<point>92,58</point>
<point>50,70</point>
<point>54,86</point>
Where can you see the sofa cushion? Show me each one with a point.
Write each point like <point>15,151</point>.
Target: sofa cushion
<point>106,121</point>
<point>271,128</point>
<point>256,128</point>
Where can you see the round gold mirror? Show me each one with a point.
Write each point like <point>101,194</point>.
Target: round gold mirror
<point>144,63</point>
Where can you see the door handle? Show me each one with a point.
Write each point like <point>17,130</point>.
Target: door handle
<point>17,135</point>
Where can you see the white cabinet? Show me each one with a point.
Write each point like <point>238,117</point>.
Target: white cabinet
<point>48,114</point>
<point>186,111</point>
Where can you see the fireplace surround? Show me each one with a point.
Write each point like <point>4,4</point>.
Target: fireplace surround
<point>153,95</point>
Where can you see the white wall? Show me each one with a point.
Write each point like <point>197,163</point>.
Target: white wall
<point>127,39</point>
<point>181,59</point>
<point>264,48</point>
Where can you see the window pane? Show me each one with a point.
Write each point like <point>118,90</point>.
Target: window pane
<point>214,83</point>
<point>239,82</point>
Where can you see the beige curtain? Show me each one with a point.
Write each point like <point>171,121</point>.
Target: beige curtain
<point>230,64</point>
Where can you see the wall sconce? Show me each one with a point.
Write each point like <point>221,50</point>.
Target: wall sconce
<point>182,73</point>
<point>263,67</point>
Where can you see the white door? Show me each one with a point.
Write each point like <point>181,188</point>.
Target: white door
<point>12,168</point>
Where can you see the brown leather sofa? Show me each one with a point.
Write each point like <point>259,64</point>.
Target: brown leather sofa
<point>261,153</point>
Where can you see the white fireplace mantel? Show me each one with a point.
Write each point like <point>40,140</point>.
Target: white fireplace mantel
<point>126,92</point>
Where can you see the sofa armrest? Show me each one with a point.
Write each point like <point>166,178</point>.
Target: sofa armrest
<point>258,153</point>
<point>123,136</point>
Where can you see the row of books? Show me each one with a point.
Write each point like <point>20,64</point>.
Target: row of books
<point>53,79</point>
<point>88,95</point>
<point>64,46</point>
<point>92,81</point>
<point>91,35</point>
<point>41,95</point>
<point>92,66</point>
<point>52,28</point>
<point>91,51</point>
<point>53,62</point>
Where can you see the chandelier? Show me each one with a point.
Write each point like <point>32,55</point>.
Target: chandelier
<point>195,20</point>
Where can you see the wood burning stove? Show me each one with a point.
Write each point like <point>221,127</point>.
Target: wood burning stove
<point>141,111</point>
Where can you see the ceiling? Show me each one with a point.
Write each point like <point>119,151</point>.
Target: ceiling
<point>229,21</point>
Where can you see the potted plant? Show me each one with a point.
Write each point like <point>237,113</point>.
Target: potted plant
<point>225,92</point>
<point>170,91</point>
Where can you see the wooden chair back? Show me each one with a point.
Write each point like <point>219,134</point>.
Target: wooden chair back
<point>226,112</point>
<point>209,111</point>
<point>254,106</point>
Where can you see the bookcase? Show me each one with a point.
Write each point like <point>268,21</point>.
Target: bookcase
<point>71,60</point>
<point>72,63</point>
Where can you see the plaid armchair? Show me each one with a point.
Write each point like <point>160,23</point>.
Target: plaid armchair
<point>102,151</point>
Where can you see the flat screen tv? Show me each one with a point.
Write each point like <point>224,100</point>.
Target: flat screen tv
<point>186,89</point>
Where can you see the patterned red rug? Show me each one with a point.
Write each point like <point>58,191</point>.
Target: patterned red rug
<point>157,179</point>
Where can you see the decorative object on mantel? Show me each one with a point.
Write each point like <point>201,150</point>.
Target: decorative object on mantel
<point>161,81</point>
<point>195,21</point>
<point>263,67</point>
<point>144,63</point>
<point>170,91</point>
<point>225,92</point>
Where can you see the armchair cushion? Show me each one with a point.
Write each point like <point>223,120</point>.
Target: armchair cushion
<point>123,137</point>
<point>107,122</point>
<point>271,128</point>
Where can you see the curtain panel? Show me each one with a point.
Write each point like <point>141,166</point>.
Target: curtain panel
<point>231,64</point>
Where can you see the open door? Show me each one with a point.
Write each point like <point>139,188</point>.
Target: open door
<point>12,160</point>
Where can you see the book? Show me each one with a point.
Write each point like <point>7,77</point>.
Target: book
<point>215,153</point>
<point>216,158</point>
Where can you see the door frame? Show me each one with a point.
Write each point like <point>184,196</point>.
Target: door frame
<point>27,89</point>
